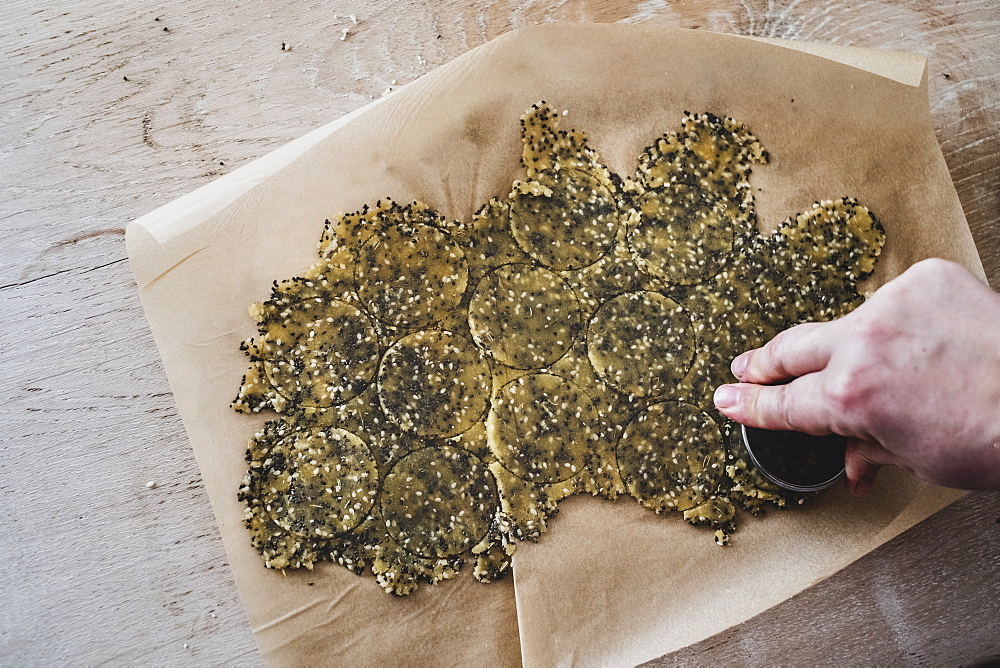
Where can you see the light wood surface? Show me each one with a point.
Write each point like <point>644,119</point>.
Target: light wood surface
<point>110,109</point>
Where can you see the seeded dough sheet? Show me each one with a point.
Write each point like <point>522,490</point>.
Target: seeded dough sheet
<point>609,583</point>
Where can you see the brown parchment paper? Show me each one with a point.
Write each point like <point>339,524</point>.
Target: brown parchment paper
<point>610,582</point>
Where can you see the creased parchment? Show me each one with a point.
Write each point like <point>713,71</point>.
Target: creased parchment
<point>609,582</point>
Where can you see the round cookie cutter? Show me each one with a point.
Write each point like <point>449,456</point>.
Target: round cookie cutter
<point>793,460</point>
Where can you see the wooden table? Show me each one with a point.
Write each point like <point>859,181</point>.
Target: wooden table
<point>108,110</point>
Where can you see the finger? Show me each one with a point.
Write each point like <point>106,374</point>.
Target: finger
<point>797,406</point>
<point>862,461</point>
<point>864,479</point>
<point>792,353</point>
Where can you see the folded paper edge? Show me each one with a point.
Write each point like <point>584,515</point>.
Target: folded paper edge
<point>168,221</point>
<point>899,66</point>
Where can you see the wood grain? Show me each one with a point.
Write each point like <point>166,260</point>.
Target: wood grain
<point>108,110</point>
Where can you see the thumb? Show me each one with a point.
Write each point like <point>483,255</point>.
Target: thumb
<point>862,462</point>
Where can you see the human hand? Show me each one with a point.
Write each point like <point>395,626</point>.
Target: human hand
<point>912,376</point>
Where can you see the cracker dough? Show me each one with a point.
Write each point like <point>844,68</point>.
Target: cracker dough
<point>441,385</point>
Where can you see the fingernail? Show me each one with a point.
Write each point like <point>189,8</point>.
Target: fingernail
<point>739,365</point>
<point>726,396</point>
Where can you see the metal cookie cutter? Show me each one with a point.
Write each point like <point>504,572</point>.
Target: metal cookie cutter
<point>793,460</point>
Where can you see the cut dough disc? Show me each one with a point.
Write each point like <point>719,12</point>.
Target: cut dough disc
<point>434,384</point>
<point>641,343</point>
<point>541,428</point>
<point>438,501</point>
<point>322,355</point>
<point>672,456</point>
<point>568,221</point>
<point>836,240</point>
<point>526,317</point>
<point>683,234</point>
<point>326,485</point>
<point>411,276</point>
